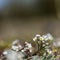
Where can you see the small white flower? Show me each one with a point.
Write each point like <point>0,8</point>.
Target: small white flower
<point>37,35</point>
<point>41,38</point>
<point>49,51</point>
<point>20,47</point>
<point>34,39</point>
<point>5,52</point>
<point>44,54</point>
<point>49,36</point>
<point>43,45</point>
<point>28,45</point>
<point>43,41</point>
<point>22,50</point>
<point>16,48</point>
<point>45,37</point>
<point>47,43</point>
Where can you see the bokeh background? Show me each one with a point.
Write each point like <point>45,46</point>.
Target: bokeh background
<point>22,19</point>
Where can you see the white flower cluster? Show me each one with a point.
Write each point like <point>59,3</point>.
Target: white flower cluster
<point>47,37</point>
<point>28,46</point>
<point>44,42</point>
<point>16,45</point>
<point>43,37</point>
<point>27,50</point>
<point>36,37</point>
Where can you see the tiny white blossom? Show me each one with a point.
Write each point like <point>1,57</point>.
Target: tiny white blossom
<point>5,52</point>
<point>37,35</point>
<point>47,43</point>
<point>15,48</point>
<point>20,46</point>
<point>34,39</point>
<point>43,41</point>
<point>28,46</point>
<point>41,38</point>
<point>22,50</point>
<point>49,51</point>
<point>44,54</point>
<point>49,36</point>
<point>43,45</point>
<point>45,37</point>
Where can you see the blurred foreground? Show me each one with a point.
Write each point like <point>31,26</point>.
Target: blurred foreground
<point>44,49</point>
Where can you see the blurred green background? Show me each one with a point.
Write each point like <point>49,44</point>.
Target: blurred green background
<point>22,19</point>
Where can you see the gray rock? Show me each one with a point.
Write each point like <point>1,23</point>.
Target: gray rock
<point>35,57</point>
<point>13,55</point>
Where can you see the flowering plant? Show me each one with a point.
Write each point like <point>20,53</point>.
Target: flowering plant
<point>44,46</point>
<point>25,51</point>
